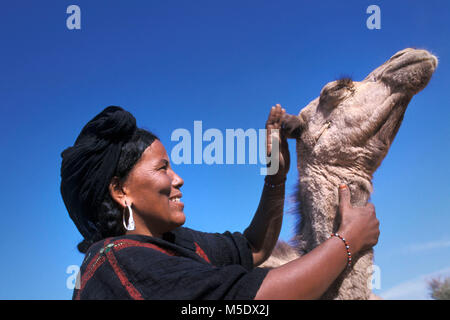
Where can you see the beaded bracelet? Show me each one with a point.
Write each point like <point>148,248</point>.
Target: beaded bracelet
<point>347,248</point>
<point>270,185</point>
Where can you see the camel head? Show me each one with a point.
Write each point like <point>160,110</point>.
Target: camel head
<point>352,124</point>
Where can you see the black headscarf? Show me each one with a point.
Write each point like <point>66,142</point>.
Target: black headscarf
<point>88,166</point>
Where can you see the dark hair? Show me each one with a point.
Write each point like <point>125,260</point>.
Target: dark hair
<point>108,146</point>
<point>109,215</point>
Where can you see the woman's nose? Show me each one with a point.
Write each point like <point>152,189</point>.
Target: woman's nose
<point>177,181</point>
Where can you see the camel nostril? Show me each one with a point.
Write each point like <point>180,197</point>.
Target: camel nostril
<point>397,55</point>
<point>435,61</point>
<point>402,52</point>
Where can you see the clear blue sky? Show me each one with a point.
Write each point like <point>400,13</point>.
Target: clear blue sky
<point>224,63</point>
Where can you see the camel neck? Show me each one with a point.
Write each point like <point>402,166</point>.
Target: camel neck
<point>318,203</point>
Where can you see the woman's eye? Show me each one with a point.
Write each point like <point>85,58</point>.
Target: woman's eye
<point>164,165</point>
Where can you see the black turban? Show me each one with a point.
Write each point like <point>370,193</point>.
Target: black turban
<point>88,166</point>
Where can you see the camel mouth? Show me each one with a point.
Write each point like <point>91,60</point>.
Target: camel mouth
<point>387,129</point>
<point>431,61</point>
<point>408,71</point>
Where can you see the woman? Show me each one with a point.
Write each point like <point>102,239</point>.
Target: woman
<point>124,197</point>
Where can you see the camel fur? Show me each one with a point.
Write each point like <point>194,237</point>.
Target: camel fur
<point>342,137</point>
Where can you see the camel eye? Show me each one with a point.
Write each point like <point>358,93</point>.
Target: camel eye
<point>344,82</point>
<point>333,92</point>
<point>330,89</point>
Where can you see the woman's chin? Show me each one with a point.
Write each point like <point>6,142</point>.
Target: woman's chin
<point>177,214</point>
<point>178,218</point>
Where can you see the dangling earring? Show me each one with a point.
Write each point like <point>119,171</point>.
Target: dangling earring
<point>130,226</point>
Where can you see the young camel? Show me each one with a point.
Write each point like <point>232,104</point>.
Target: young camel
<point>342,137</point>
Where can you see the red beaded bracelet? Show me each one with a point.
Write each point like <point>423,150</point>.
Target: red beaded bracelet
<point>347,248</point>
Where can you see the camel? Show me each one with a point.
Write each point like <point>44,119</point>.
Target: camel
<point>342,137</point>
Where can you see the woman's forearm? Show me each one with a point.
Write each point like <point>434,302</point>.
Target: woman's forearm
<point>265,227</point>
<point>307,277</point>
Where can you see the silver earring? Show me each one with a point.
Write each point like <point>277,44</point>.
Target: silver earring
<point>130,226</point>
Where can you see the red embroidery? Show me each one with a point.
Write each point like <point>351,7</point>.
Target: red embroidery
<point>95,263</point>
<point>132,291</point>
<point>107,253</point>
<point>200,252</point>
<point>126,243</point>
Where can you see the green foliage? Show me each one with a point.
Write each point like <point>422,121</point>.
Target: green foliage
<point>440,289</point>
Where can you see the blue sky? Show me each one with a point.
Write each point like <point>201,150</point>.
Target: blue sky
<point>171,63</point>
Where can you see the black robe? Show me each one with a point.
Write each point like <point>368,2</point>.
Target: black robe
<point>185,264</point>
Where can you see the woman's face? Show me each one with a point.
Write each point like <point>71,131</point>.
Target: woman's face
<point>152,189</point>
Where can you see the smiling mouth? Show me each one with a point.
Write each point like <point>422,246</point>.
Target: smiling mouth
<point>176,201</point>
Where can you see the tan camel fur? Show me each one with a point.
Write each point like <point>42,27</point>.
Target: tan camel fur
<point>342,137</point>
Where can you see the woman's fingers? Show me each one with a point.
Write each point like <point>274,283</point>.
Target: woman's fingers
<point>271,118</point>
<point>274,122</point>
<point>282,115</point>
<point>269,126</point>
<point>278,111</point>
<point>275,117</point>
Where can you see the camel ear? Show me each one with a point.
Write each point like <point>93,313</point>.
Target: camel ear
<point>292,126</point>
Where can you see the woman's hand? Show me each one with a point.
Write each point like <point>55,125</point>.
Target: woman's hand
<point>274,122</point>
<point>309,276</point>
<point>359,225</point>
